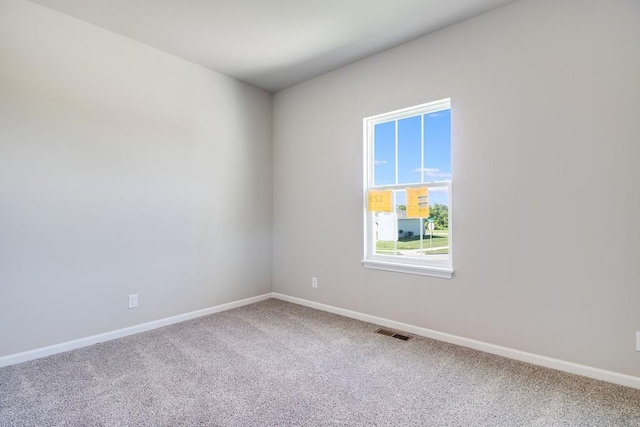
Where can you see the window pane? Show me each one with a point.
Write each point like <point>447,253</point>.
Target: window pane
<point>436,227</point>
<point>386,233</point>
<point>408,245</point>
<point>414,238</point>
<point>390,234</point>
<point>400,199</point>
<point>409,150</point>
<point>437,146</point>
<point>384,153</point>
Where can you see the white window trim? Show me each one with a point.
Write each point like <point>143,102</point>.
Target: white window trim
<point>388,262</point>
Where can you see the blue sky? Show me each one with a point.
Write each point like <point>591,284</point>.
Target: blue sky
<point>437,153</point>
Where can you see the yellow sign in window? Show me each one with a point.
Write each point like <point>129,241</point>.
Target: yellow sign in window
<point>380,201</point>
<point>417,203</point>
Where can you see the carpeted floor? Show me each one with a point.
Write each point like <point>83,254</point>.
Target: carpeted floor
<point>278,364</point>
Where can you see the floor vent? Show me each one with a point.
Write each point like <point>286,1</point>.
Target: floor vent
<point>401,337</point>
<point>393,334</point>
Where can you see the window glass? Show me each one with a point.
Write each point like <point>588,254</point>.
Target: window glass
<point>436,226</point>
<point>409,149</point>
<point>384,152</point>
<point>437,146</point>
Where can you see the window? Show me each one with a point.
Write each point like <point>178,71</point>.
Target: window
<point>407,182</point>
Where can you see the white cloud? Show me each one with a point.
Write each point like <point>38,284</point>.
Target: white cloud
<point>433,173</point>
<point>380,162</point>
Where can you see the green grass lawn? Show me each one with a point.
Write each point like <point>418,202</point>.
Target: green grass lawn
<point>413,242</point>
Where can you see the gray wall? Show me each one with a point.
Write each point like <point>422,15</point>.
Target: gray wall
<point>122,170</point>
<point>546,141</point>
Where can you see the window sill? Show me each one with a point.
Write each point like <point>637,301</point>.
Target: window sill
<point>445,273</point>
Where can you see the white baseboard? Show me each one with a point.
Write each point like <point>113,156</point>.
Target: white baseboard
<point>37,353</point>
<point>535,359</point>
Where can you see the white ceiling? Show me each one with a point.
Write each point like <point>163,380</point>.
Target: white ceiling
<point>272,44</point>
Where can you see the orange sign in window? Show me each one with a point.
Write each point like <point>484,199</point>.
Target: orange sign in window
<point>380,201</point>
<point>417,203</point>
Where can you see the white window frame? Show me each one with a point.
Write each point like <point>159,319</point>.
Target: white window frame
<point>436,268</point>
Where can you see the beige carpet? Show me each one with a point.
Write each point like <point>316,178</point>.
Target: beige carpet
<point>278,364</point>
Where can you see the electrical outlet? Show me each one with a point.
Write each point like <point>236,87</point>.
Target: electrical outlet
<point>638,341</point>
<point>133,301</point>
<point>314,282</point>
